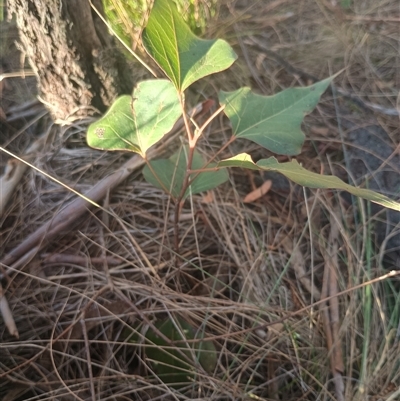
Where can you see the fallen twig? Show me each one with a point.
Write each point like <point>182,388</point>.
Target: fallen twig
<point>65,219</point>
<point>79,260</point>
<point>331,314</point>
<point>7,315</point>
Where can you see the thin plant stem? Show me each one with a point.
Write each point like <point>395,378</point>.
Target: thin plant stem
<point>186,183</point>
<point>185,118</point>
<point>204,169</point>
<point>192,138</point>
<point>179,200</point>
<point>177,213</point>
<point>209,120</point>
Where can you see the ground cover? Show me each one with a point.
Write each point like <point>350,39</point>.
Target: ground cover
<point>253,272</point>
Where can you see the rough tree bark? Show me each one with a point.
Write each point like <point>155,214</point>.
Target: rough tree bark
<point>78,67</point>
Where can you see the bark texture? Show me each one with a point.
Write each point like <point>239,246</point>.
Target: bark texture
<point>78,67</point>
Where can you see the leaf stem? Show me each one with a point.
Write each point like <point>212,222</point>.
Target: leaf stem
<point>181,96</point>
<point>177,213</point>
<point>204,168</point>
<point>209,120</point>
<point>186,182</point>
<point>192,138</point>
<point>226,144</point>
<point>180,198</point>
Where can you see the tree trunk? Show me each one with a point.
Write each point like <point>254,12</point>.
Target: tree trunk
<point>78,67</point>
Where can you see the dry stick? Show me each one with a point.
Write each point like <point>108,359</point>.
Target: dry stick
<point>79,260</point>
<point>7,315</point>
<point>64,220</point>
<point>88,358</point>
<point>324,308</point>
<point>22,74</point>
<point>334,312</point>
<point>331,314</point>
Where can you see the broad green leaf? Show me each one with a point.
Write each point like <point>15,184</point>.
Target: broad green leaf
<point>137,123</point>
<point>183,57</point>
<point>273,122</point>
<point>173,361</point>
<point>295,172</point>
<point>169,174</point>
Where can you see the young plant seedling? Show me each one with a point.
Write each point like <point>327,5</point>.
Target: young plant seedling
<point>135,123</point>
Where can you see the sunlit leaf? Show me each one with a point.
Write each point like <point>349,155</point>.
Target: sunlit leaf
<point>273,122</point>
<point>242,160</point>
<point>169,174</point>
<point>183,57</point>
<point>295,172</point>
<point>137,123</point>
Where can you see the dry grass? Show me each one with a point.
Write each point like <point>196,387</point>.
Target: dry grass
<point>249,273</point>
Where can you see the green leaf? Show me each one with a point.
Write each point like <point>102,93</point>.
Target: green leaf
<point>295,172</point>
<point>273,122</point>
<point>183,57</point>
<point>345,4</point>
<point>173,360</point>
<point>137,123</point>
<point>242,160</point>
<point>169,174</point>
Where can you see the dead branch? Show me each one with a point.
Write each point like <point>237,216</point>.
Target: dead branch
<point>330,314</point>
<point>62,258</point>
<point>66,218</point>
<point>7,315</point>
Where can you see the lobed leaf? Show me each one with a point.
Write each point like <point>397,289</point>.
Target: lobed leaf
<point>182,56</point>
<point>298,174</point>
<point>273,122</point>
<point>136,123</point>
